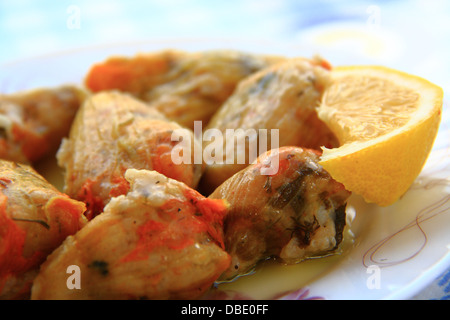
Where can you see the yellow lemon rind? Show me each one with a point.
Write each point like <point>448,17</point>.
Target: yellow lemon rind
<point>382,169</point>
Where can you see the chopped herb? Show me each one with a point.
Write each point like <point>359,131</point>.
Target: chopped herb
<point>287,191</point>
<point>263,83</point>
<point>311,79</point>
<point>100,266</point>
<point>304,231</point>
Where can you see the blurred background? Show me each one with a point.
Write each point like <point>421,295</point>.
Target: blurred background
<point>413,35</point>
<point>410,35</point>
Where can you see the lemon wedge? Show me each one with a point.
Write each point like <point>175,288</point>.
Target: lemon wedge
<point>386,122</point>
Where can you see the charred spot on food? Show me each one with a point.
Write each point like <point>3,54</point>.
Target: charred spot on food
<point>287,191</point>
<point>101,266</point>
<point>339,223</point>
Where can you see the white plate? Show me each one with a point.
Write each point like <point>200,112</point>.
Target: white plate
<point>388,253</point>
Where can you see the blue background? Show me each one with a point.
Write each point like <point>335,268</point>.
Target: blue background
<point>415,34</point>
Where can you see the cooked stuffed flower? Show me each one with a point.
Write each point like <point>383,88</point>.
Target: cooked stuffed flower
<point>35,218</point>
<point>294,213</point>
<point>33,123</point>
<point>185,86</point>
<point>280,99</point>
<point>162,240</point>
<point>111,133</point>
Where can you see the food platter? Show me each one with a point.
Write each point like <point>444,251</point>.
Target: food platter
<point>387,253</point>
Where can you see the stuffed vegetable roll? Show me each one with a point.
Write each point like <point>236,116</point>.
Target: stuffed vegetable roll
<point>111,133</point>
<point>35,218</point>
<point>291,215</point>
<point>162,240</point>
